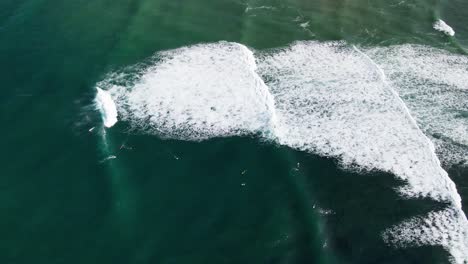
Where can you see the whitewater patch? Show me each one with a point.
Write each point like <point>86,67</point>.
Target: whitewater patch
<point>337,101</point>
<point>331,100</point>
<point>198,92</point>
<point>106,107</point>
<point>434,85</point>
<point>441,26</point>
<point>326,98</point>
<point>447,228</point>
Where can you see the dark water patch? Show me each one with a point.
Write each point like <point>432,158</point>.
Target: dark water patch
<point>251,203</point>
<point>56,205</point>
<point>363,205</point>
<point>227,200</point>
<point>459,174</point>
<point>453,13</point>
<point>10,9</point>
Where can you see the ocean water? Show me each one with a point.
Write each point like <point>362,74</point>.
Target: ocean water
<point>228,131</point>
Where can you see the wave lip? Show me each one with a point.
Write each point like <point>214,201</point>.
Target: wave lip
<point>441,26</point>
<point>106,107</point>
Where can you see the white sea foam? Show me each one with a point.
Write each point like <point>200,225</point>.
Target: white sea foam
<point>441,26</point>
<point>332,100</point>
<point>434,85</point>
<point>325,98</point>
<point>199,92</point>
<point>107,107</point>
<point>304,25</point>
<point>447,228</point>
<point>336,101</point>
<point>251,8</point>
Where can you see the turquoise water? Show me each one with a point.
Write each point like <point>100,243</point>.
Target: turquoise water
<point>241,198</point>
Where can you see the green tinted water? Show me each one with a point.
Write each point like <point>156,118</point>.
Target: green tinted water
<point>162,201</point>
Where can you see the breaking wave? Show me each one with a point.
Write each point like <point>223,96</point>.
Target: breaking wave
<point>326,98</point>
<point>441,26</point>
<point>434,85</point>
<point>447,228</point>
<point>199,92</point>
<point>106,106</point>
<point>332,100</point>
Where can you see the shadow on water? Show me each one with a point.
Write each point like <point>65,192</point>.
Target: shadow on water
<point>221,201</point>
<point>361,206</point>
<point>459,174</point>
<point>237,201</point>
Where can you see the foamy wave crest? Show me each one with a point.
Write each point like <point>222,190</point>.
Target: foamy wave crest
<point>441,26</point>
<point>447,228</point>
<point>434,85</point>
<point>199,92</point>
<point>336,101</point>
<point>106,106</point>
<point>332,100</point>
<point>325,98</point>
